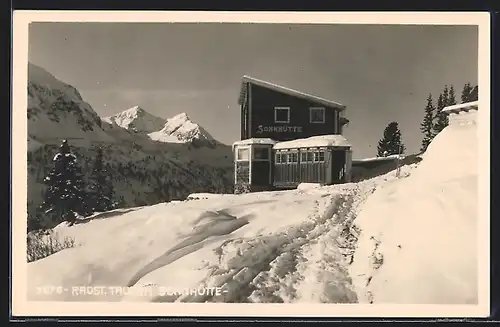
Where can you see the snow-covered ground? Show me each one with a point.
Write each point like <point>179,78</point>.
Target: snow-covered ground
<point>260,247</point>
<point>419,234</point>
<point>407,239</point>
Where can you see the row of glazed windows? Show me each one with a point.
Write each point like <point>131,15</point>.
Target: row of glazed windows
<point>283,157</point>
<point>305,156</point>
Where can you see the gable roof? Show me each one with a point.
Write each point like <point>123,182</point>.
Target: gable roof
<point>281,89</point>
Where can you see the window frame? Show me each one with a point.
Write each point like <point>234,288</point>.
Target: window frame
<point>289,156</point>
<point>317,153</point>
<point>312,109</point>
<point>261,148</point>
<point>243,148</point>
<point>276,109</point>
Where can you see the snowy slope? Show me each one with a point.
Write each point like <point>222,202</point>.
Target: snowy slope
<point>180,129</point>
<point>260,247</point>
<point>419,234</point>
<point>136,119</point>
<point>56,110</point>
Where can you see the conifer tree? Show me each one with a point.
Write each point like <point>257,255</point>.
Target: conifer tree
<point>441,120</point>
<point>427,124</point>
<point>100,190</point>
<point>65,195</point>
<point>451,97</point>
<point>445,96</point>
<point>465,93</point>
<point>391,142</point>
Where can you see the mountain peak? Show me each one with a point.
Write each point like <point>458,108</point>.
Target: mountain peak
<point>179,119</point>
<point>136,109</point>
<point>136,119</point>
<point>180,129</point>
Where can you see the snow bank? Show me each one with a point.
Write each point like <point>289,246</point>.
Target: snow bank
<point>308,186</point>
<point>314,141</point>
<point>418,235</point>
<point>197,196</point>
<point>387,158</point>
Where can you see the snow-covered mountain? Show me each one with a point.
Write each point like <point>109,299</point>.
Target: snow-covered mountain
<point>137,120</point>
<point>144,171</point>
<point>56,110</point>
<point>180,129</point>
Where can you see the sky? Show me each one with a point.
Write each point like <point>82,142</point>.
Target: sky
<point>381,73</point>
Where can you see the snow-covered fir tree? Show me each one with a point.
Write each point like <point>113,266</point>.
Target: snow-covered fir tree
<point>465,93</point>
<point>100,192</point>
<point>64,197</point>
<point>391,142</point>
<point>451,97</point>
<point>441,119</point>
<point>427,124</point>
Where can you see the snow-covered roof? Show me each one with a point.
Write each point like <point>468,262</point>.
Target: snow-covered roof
<point>278,88</point>
<point>390,157</point>
<point>255,141</point>
<point>461,107</point>
<point>334,140</point>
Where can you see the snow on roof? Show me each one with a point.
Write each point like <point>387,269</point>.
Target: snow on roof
<point>314,141</point>
<point>391,157</point>
<point>255,141</point>
<point>461,107</point>
<point>282,89</point>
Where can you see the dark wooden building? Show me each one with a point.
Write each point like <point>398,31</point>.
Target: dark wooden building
<point>288,137</point>
<point>282,114</point>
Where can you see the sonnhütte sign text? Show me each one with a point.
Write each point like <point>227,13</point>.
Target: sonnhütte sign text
<point>279,129</point>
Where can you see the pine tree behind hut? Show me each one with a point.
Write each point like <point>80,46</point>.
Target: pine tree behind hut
<point>391,142</point>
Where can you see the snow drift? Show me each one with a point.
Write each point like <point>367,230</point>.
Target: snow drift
<point>418,235</point>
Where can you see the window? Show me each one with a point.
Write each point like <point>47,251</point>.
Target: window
<point>310,157</point>
<point>261,153</point>
<point>282,115</point>
<point>278,158</point>
<point>317,115</point>
<point>319,156</point>
<point>243,154</point>
<point>293,157</point>
<point>303,157</point>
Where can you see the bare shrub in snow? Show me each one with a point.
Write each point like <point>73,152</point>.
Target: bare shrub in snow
<point>41,244</point>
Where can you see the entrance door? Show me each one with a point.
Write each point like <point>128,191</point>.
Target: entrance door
<point>261,165</point>
<point>338,166</point>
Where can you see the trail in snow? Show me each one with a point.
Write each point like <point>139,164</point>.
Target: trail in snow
<point>302,264</point>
